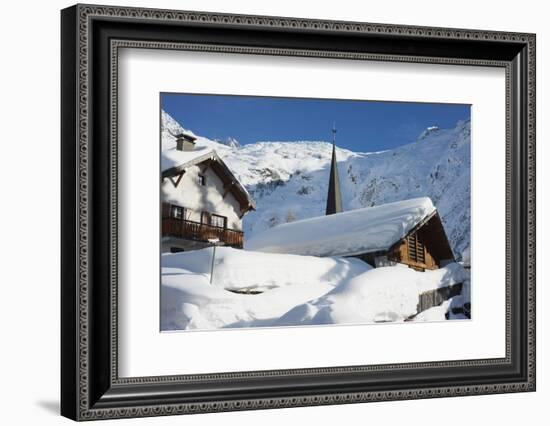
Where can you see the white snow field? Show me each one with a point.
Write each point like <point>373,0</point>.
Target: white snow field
<point>295,290</point>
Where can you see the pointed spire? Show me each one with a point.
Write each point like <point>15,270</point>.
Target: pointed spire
<point>334,198</point>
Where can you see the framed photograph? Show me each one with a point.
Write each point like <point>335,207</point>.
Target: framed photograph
<point>263,212</point>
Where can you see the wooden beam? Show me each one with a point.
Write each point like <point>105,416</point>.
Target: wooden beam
<point>178,178</point>
<point>432,298</point>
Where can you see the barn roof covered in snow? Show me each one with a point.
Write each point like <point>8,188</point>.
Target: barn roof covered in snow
<point>359,231</point>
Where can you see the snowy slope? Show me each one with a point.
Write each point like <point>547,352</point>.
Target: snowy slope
<point>295,290</point>
<point>289,180</point>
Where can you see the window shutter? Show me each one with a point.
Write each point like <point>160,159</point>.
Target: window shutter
<point>416,249</point>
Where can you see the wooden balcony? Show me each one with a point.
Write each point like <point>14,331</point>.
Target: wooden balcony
<point>197,231</point>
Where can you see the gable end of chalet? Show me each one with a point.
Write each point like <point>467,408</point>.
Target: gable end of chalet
<point>211,161</point>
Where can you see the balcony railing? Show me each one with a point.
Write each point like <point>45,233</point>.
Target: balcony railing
<point>197,231</point>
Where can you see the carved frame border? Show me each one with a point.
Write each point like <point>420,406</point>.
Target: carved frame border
<point>85,13</point>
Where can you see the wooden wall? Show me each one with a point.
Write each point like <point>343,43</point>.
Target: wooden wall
<point>425,248</point>
<point>414,252</point>
<point>436,297</point>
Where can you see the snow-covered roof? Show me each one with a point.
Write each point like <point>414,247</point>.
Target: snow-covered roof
<point>175,159</point>
<point>365,230</point>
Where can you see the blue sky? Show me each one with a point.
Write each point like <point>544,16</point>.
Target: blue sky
<point>362,125</point>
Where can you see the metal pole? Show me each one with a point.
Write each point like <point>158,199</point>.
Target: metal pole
<point>212,266</point>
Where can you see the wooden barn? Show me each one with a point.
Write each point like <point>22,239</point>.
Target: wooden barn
<point>408,233</point>
<point>202,200</point>
<point>424,247</point>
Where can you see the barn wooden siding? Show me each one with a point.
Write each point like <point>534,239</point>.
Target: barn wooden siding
<point>436,297</point>
<point>425,247</point>
<point>414,252</point>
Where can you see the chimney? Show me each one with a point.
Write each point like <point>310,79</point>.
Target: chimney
<point>185,142</point>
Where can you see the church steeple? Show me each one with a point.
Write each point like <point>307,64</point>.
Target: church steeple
<point>334,198</point>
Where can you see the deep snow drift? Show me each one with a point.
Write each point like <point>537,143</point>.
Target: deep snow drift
<point>295,290</point>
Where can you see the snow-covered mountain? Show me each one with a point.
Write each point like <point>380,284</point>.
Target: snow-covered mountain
<point>232,142</point>
<point>289,180</point>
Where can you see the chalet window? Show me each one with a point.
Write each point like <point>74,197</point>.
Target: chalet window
<point>205,218</point>
<point>416,249</point>
<point>219,221</point>
<point>177,212</point>
<point>202,180</point>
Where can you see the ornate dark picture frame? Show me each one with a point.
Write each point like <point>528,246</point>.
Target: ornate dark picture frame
<point>91,37</point>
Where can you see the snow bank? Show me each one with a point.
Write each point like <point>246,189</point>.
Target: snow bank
<point>296,290</point>
<point>451,274</point>
<point>189,301</point>
<point>357,231</point>
<point>437,313</point>
<point>246,270</point>
<point>384,294</point>
<point>378,295</point>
